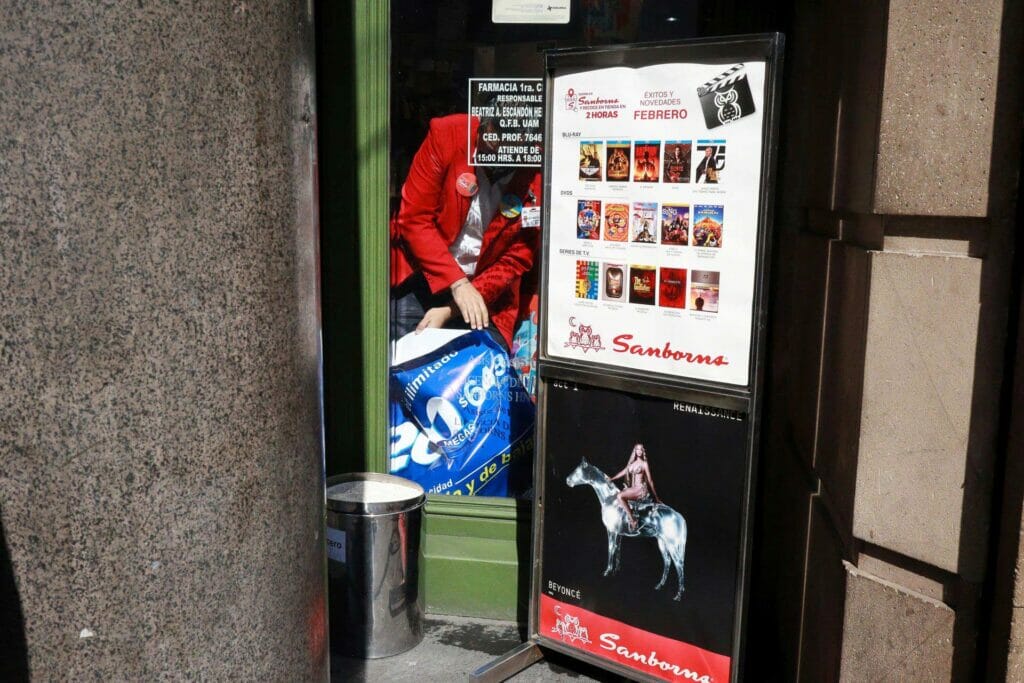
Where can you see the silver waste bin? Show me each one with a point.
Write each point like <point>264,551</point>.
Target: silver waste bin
<point>373,550</point>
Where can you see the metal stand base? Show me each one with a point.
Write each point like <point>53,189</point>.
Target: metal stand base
<point>509,664</point>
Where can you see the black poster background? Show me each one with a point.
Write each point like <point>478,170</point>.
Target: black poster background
<point>697,465</point>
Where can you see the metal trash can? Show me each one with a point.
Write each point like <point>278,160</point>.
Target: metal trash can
<point>373,549</point>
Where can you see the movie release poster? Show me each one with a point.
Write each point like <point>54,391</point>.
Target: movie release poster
<point>646,162</point>
<point>677,161</point>
<point>708,222</point>
<point>642,530</point>
<point>587,282</point>
<point>642,285</point>
<point>679,192</point>
<point>614,282</point>
<point>675,224</point>
<point>672,287</point>
<point>618,160</point>
<point>590,160</point>
<point>704,291</point>
<point>644,220</point>
<point>588,219</point>
<point>712,162</point>
<point>616,222</point>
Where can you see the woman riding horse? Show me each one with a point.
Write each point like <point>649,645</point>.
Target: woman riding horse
<point>639,484</point>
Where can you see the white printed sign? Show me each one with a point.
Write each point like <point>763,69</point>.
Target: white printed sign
<point>336,544</point>
<point>655,187</point>
<point>530,12</point>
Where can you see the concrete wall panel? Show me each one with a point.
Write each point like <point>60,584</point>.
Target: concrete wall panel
<point>1015,653</point>
<point>938,107</point>
<point>893,634</point>
<point>919,490</point>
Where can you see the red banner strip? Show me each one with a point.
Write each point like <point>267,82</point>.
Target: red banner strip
<point>658,656</point>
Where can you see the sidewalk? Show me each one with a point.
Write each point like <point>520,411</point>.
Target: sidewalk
<point>453,648</point>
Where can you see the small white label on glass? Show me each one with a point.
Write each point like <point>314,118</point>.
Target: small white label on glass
<point>526,12</point>
<point>336,544</point>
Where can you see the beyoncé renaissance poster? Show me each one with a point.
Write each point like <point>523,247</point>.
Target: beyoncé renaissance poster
<point>669,156</point>
<point>642,517</point>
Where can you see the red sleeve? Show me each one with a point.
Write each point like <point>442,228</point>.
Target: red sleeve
<point>418,213</point>
<point>493,281</point>
<point>517,259</point>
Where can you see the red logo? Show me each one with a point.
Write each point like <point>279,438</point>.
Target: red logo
<point>567,627</point>
<point>623,343</point>
<point>582,337</point>
<point>654,655</point>
<point>570,100</point>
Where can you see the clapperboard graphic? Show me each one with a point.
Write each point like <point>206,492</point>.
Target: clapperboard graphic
<point>726,97</point>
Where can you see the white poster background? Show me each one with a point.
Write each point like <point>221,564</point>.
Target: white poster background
<point>606,104</point>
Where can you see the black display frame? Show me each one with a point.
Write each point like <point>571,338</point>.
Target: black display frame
<point>746,398</point>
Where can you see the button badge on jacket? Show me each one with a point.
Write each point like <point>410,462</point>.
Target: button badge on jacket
<point>511,206</point>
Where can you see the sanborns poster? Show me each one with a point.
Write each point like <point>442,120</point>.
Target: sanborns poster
<point>642,526</point>
<point>653,227</point>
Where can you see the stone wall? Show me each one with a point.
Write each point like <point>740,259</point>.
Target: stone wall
<point>160,457</point>
<point>890,319</point>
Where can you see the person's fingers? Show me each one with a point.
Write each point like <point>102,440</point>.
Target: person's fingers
<point>463,308</point>
<point>429,320</point>
<point>483,314</point>
<point>480,307</point>
<point>479,311</point>
<point>469,309</point>
<point>472,307</point>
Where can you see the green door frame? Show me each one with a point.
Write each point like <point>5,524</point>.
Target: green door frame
<point>370,34</point>
<point>472,546</point>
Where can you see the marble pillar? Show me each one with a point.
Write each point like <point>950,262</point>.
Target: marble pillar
<point>161,463</point>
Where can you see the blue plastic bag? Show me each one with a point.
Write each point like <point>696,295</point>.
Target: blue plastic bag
<point>461,421</point>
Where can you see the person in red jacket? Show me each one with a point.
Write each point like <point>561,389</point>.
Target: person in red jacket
<point>464,236</point>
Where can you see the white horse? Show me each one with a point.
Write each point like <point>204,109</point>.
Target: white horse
<point>657,521</point>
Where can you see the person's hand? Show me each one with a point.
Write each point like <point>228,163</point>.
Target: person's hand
<point>435,317</point>
<point>470,303</point>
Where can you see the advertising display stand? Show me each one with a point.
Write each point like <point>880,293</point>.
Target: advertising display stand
<point>658,177</point>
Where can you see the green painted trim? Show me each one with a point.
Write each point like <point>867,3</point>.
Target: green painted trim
<point>471,577</point>
<point>370,27</point>
<point>471,563</point>
<point>471,545</point>
<point>471,556</point>
<point>491,508</point>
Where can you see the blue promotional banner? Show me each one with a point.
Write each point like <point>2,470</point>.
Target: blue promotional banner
<point>461,420</point>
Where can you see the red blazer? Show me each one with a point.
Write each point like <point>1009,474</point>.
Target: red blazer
<point>432,213</point>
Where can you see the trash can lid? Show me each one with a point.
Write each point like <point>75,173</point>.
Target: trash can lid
<point>372,493</point>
